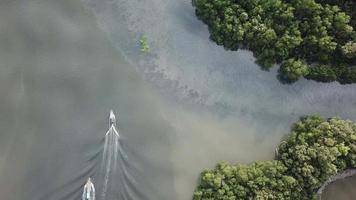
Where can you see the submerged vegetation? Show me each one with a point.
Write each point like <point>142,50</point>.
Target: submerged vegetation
<point>315,150</point>
<point>144,44</point>
<point>314,39</point>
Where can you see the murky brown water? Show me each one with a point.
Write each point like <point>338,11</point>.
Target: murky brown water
<point>183,107</point>
<point>341,190</point>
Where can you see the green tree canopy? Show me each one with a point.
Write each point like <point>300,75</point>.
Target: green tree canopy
<point>279,31</point>
<point>315,150</point>
<point>292,69</point>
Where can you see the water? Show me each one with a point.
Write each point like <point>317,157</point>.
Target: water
<point>108,167</point>
<point>184,106</point>
<point>219,102</point>
<point>59,78</point>
<point>342,189</point>
<point>117,177</point>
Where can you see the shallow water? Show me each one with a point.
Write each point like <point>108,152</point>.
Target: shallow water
<point>341,190</point>
<point>221,104</point>
<point>59,78</point>
<point>182,107</point>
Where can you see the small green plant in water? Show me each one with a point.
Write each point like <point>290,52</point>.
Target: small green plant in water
<point>144,45</point>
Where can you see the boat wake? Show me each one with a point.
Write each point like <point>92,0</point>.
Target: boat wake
<point>113,177</point>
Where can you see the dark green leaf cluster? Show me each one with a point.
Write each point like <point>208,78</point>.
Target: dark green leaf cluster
<point>349,6</point>
<point>322,73</point>
<point>314,150</point>
<point>295,33</point>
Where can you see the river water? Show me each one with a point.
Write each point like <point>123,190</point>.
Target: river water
<point>182,107</point>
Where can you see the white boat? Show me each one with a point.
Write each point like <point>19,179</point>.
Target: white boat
<point>112,122</point>
<point>89,190</point>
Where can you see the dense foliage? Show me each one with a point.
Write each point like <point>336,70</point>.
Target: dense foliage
<point>349,6</point>
<point>260,180</point>
<point>317,149</point>
<point>314,150</point>
<point>299,34</point>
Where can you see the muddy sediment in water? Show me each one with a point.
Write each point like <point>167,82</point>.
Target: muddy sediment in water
<point>59,77</point>
<point>182,107</point>
<point>341,189</point>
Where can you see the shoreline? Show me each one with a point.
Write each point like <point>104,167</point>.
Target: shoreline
<point>345,174</point>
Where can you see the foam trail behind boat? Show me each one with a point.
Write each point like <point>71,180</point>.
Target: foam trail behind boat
<point>114,177</point>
